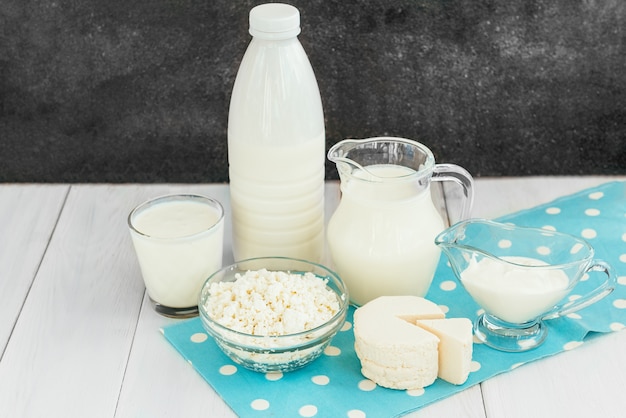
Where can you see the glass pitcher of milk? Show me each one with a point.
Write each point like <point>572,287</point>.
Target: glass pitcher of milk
<point>381,236</point>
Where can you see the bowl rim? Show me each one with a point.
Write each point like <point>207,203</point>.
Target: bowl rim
<point>343,299</point>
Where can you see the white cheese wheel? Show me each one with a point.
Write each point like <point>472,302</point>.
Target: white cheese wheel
<point>402,377</point>
<point>455,347</point>
<point>393,351</point>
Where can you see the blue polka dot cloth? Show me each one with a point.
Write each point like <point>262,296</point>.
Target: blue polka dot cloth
<point>333,386</point>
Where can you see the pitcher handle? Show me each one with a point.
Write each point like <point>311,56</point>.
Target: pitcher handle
<point>460,176</point>
<point>606,287</point>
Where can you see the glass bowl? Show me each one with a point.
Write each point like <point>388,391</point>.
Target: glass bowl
<point>273,353</point>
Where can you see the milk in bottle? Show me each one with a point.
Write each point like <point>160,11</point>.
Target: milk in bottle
<point>276,143</point>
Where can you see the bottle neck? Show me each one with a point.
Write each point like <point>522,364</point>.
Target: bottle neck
<point>261,43</point>
<point>274,36</point>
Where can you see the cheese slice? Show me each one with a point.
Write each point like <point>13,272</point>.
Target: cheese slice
<point>455,347</point>
<point>393,351</point>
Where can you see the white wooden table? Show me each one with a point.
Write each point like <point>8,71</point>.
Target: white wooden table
<point>78,337</point>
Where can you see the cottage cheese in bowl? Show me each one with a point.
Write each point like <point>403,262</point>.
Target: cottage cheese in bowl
<point>273,319</point>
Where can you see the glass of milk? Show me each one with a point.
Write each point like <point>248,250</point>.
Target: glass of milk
<point>521,276</point>
<point>179,243</point>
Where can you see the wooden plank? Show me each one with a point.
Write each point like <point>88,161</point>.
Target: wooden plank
<point>69,349</point>
<point>466,404</point>
<point>496,197</point>
<point>28,215</point>
<point>158,381</point>
<point>586,382</point>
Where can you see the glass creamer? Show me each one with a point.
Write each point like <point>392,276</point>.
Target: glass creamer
<point>381,236</point>
<point>521,276</point>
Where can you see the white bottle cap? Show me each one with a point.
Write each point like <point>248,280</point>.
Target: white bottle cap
<point>274,21</point>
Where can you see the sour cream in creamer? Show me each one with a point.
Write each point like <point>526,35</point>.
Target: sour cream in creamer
<point>514,291</point>
<point>178,241</point>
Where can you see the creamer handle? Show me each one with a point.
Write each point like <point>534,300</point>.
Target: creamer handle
<point>460,176</point>
<point>606,287</point>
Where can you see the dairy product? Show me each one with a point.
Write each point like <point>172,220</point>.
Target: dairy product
<point>271,302</point>
<point>178,241</point>
<point>176,219</point>
<point>406,377</point>
<point>381,237</point>
<point>279,209</point>
<point>394,352</point>
<point>515,291</point>
<point>404,342</point>
<point>455,347</point>
<point>276,143</point>
<point>273,319</point>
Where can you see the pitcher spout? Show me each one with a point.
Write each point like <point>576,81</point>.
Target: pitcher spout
<point>339,151</point>
<point>340,155</point>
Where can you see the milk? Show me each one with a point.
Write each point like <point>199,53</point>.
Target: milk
<point>176,219</point>
<point>278,210</point>
<point>276,143</point>
<point>178,244</point>
<point>513,292</point>
<point>381,237</point>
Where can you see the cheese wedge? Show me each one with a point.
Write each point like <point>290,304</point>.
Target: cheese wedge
<point>393,351</point>
<point>455,347</point>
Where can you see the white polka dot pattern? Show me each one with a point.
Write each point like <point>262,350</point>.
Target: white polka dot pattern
<point>572,345</point>
<point>320,380</point>
<point>259,404</point>
<point>505,243</point>
<point>273,376</point>
<point>366,385</point>
<point>415,392</point>
<point>448,285</point>
<point>308,411</point>
<point>199,337</point>
<point>332,351</point>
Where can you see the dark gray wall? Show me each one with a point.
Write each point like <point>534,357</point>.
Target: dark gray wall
<point>138,90</point>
